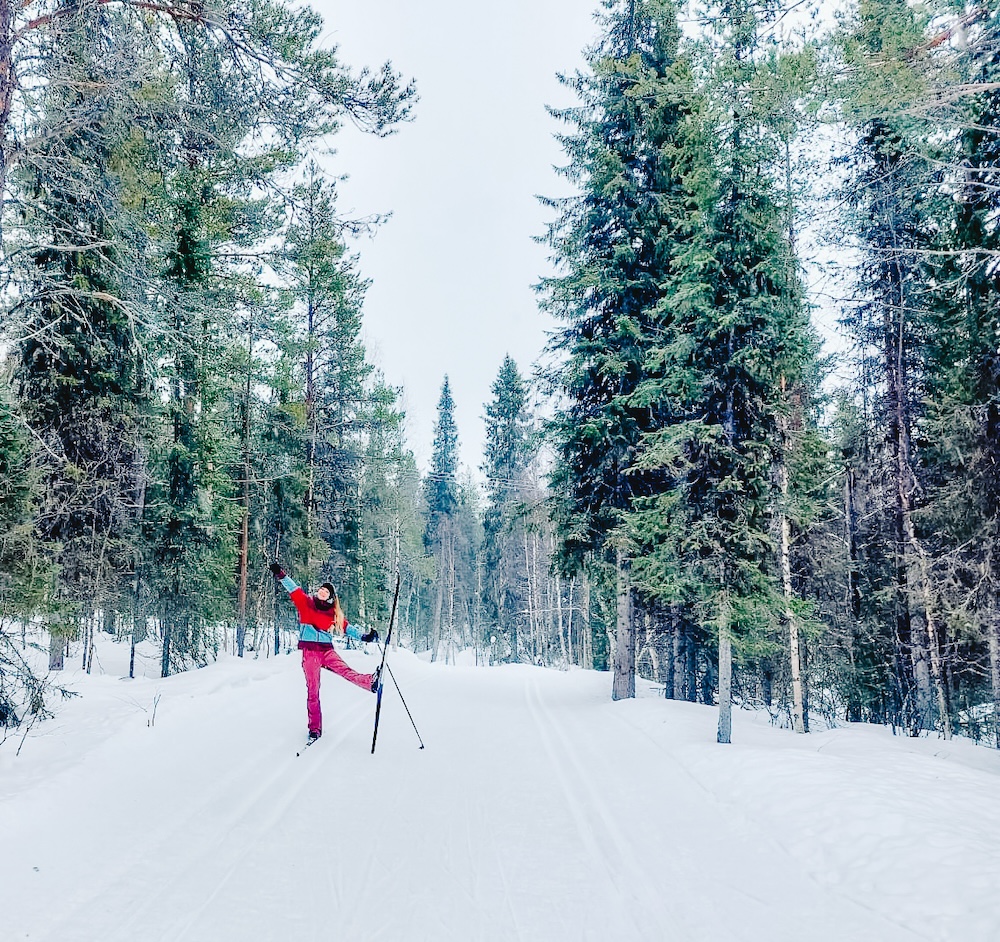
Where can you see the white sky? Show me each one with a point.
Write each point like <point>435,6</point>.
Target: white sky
<point>453,269</point>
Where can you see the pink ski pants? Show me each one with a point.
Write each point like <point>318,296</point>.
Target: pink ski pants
<point>313,661</point>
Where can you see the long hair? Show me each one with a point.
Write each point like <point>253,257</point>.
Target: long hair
<point>339,619</point>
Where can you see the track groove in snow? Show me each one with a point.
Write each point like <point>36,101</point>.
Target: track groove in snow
<point>601,835</point>
<point>729,808</point>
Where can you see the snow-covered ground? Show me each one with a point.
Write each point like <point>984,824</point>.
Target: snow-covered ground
<point>539,810</point>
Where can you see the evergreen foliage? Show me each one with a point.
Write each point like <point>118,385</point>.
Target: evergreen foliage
<point>80,372</point>
<point>508,451</point>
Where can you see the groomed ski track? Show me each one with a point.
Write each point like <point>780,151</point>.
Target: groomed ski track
<point>539,810</point>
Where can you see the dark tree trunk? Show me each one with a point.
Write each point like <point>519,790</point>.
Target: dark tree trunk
<point>668,656</point>
<point>680,661</point>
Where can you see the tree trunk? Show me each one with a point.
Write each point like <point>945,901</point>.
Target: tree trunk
<point>165,655</point>
<point>680,664</point>
<point>560,626</point>
<point>57,645</point>
<point>569,623</point>
<point>623,686</point>
<point>311,426</point>
<point>933,642</point>
<point>992,628</point>
<point>669,654</point>
<point>435,638</point>
<point>913,643</point>
<point>725,673</point>
<point>451,596</point>
<point>531,593</point>
<point>786,582</point>
<point>8,82</point>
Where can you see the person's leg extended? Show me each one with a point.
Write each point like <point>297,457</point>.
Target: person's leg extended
<point>312,661</point>
<point>332,661</point>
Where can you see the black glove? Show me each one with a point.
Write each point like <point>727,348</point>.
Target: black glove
<point>277,571</point>
<point>370,635</point>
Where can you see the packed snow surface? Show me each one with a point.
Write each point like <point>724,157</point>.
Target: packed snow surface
<point>177,810</point>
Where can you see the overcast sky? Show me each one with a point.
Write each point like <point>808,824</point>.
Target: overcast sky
<point>452,271</point>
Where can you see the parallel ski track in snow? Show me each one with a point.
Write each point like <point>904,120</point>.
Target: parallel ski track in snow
<point>766,836</point>
<point>603,837</point>
<point>252,811</point>
<point>541,813</point>
<point>658,909</point>
<point>235,853</point>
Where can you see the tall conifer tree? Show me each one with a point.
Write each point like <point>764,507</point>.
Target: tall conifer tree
<point>81,374</point>
<point>615,242</point>
<point>442,502</point>
<point>892,192</point>
<point>737,330</point>
<point>508,451</point>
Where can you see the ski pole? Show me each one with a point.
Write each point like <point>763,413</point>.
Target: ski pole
<point>385,651</point>
<point>405,707</point>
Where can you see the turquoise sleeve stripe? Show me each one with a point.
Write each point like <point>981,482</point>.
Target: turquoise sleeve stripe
<point>289,583</point>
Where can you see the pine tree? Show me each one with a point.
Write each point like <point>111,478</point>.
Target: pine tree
<point>737,332</point>
<point>893,190</point>
<point>149,181</point>
<point>616,244</point>
<point>442,506</point>
<point>388,506</point>
<point>508,451</point>
<point>240,126</point>
<point>960,417</point>
<point>327,295</point>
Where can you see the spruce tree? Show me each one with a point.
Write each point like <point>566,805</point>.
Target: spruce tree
<point>893,191</point>
<point>26,571</point>
<point>616,245</point>
<point>149,177</point>
<point>737,331</point>
<point>508,451</point>
<point>441,490</point>
<point>81,374</point>
<point>961,416</point>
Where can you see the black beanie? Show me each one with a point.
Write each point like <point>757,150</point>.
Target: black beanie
<point>330,602</point>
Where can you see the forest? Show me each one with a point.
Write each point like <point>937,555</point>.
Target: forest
<point>687,486</point>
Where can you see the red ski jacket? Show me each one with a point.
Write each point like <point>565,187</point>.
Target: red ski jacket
<point>318,625</point>
<point>323,620</point>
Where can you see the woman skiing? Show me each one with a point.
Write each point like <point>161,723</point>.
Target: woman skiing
<point>320,617</point>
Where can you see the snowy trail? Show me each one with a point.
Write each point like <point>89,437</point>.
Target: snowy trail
<point>714,851</point>
<point>539,812</point>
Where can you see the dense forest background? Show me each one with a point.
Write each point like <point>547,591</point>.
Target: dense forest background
<point>684,486</point>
